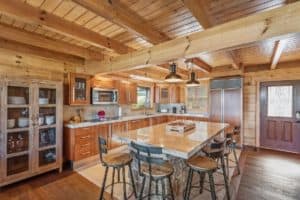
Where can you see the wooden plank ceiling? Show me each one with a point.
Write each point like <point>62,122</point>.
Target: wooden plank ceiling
<point>98,29</point>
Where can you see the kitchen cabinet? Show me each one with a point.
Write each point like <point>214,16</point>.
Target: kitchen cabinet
<point>102,131</point>
<point>127,92</point>
<point>139,123</point>
<point>159,120</point>
<point>166,94</point>
<point>77,89</point>
<point>85,145</point>
<point>103,83</point>
<point>31,128</point>
<point>119,127</point>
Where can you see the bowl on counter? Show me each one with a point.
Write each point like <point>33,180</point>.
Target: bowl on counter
<point>11,123</point>
<point>50,119</point>
<point>16,100</point>
<point>23,122</point>
<point>43,101</point>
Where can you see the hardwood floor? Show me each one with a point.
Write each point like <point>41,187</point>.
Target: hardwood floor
<point>52,186</point>
<point>271,175</point>
<point>266,175</point>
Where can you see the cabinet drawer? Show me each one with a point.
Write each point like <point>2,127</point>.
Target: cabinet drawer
<point>83,151</point>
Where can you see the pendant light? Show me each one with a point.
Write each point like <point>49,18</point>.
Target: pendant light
<point>172,77</point>
<point>192,81</point>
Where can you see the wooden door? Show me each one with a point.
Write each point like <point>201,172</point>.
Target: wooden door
<point>2,143</point>
<point>216,111</point>
<point>279,102</point>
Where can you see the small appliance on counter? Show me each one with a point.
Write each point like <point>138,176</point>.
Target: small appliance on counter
<point>183,109</point>
<point>101,115</point>
<point>174,110</point>
<point>120,112</point>
<point>164,110</point>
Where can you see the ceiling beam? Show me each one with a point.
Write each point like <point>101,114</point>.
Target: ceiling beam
<point>277,51</point>
<point>277,23</point>
<point>200,64</point>
<point>198,9</point>
<point>27,13</point>
<point>37,51</point>
<point>25,37</point>
<point>235,59</point>
<point>118,13</point>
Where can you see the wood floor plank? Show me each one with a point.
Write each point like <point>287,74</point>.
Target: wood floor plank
<point>270,174</point>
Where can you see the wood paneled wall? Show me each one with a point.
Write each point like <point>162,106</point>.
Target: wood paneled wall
<point>15,64</point>
<point>251,97</point>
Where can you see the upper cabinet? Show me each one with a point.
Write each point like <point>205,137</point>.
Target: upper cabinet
<point>165,94</point>
<point>127,92</point>
<point>77,89</point>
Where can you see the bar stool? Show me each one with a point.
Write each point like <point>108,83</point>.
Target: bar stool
<point>117,161</point>
<point>229,148</point>
<point>216,152</point>
<point>201,165</point>
<point>151,165</point>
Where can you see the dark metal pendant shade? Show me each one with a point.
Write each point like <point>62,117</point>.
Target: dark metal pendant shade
<point>172,76</point>
<point>193,81</point>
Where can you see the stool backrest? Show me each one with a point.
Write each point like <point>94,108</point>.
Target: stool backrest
<point>147,155</point>
<point>102,147</point>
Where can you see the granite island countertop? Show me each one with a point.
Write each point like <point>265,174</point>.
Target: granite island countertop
<point>129,118</point>
<point>178,145</point>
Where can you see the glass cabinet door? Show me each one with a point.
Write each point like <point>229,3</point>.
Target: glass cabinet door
<point>80,89</point>
<point>46,127</point>
<point>17,128</point>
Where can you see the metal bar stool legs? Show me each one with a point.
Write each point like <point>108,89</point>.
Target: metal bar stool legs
<point>103,184</point>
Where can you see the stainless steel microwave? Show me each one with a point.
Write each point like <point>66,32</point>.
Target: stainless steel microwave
<point>104,96</point>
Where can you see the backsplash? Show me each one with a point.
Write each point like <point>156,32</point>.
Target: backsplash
<point>90,112</point>
<point>170,107</point>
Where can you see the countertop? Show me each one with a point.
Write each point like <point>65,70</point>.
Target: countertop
<point>178,145</point>
<point>129,118</point>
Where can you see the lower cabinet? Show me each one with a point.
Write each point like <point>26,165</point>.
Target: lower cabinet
<point>84,146</point>
<point>102,131</point>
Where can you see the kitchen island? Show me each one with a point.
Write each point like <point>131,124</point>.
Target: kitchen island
<point>176,147</point>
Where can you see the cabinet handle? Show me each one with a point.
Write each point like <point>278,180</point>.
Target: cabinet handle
<point>85,153</point>
<point>85,137</point>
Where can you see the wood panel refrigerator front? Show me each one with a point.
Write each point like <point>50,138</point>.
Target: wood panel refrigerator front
<point>31,128</point>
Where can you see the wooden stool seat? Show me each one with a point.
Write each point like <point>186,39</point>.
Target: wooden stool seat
<point>200,163</point>
<point>117,159</point>
<point>158,171</point>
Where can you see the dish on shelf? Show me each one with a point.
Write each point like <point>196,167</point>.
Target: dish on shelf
<point>15,100</point>
<point>11,123</point>
<point>43,101</point>
<point>23,122</point>
<point>50,119</point>
<point>41,121</point>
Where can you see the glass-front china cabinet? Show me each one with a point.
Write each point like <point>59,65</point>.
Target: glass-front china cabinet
<point>31,129</point>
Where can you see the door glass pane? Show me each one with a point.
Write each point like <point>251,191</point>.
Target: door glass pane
<point>47,137</point>
<point>47,116</point>
<point>280,100</point>
<point>17,95</point>
<point>17,164</point>
<point>17,118</point>
<point>80,89</point>
<point>47,156</point>
<point>17,142</point>
<point>47,96</point>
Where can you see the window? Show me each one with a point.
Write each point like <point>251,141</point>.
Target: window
<point>280,100</point>
<point>197,98</point>
<point>143,98</point>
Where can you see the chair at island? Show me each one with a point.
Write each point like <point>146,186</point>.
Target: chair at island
<point>117,161</point>
<point>151,165</point>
